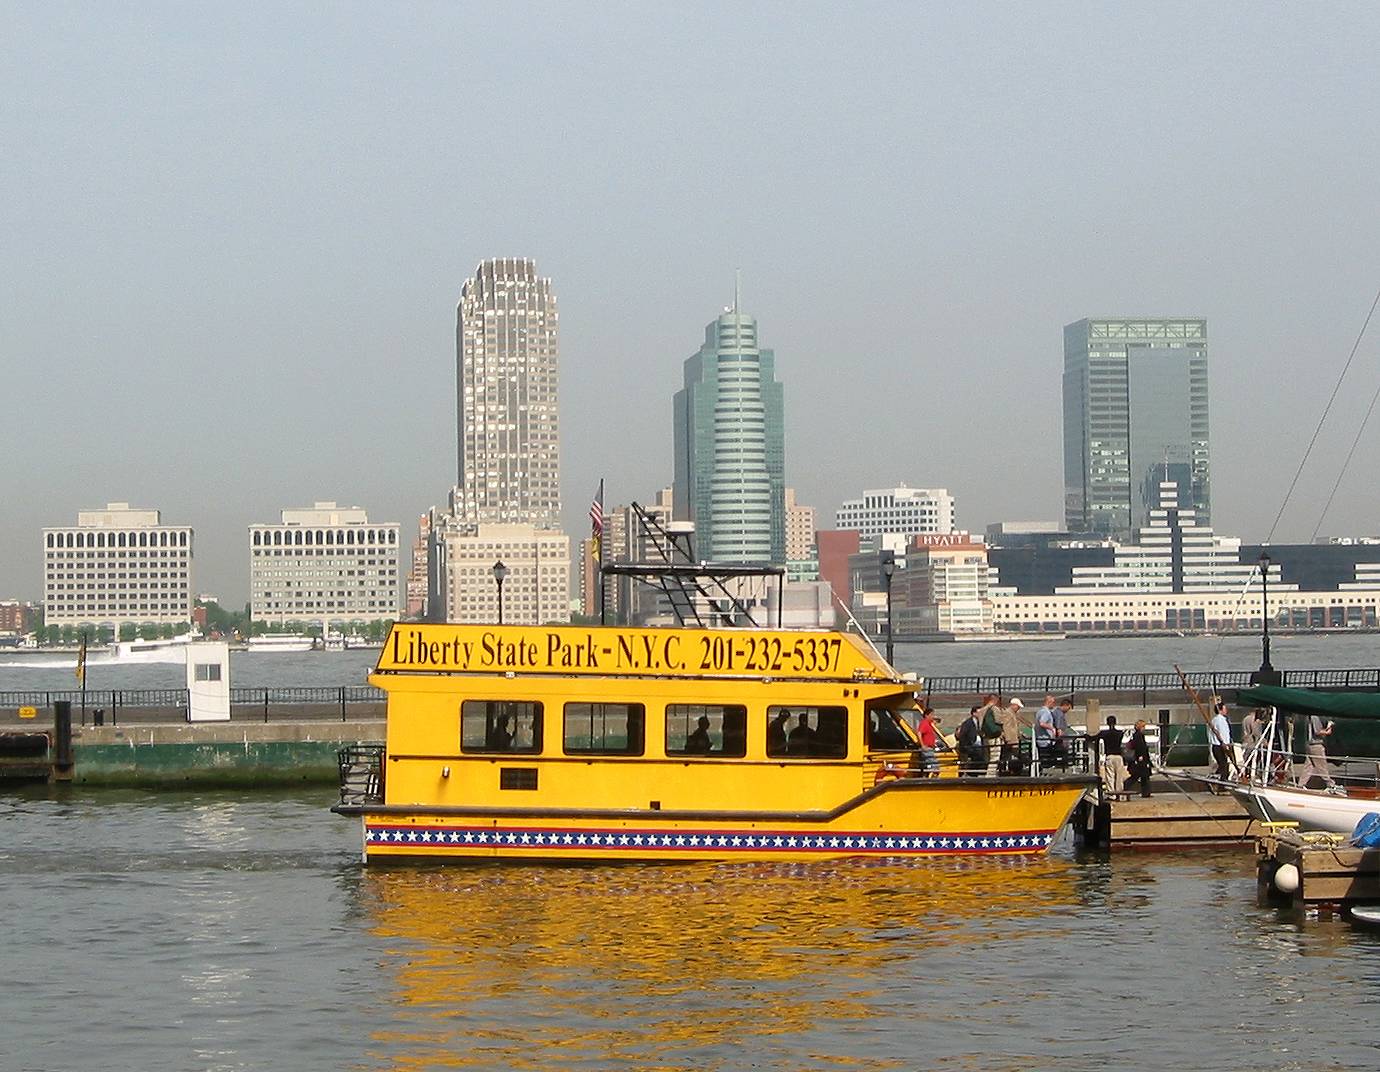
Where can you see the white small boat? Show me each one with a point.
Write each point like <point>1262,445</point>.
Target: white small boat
<point>280,642</point>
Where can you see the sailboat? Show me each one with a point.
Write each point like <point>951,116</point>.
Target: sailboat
<point>1267,787</point>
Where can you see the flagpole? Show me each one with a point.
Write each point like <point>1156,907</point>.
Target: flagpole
<point>599,557</point>
<point>81,673</point>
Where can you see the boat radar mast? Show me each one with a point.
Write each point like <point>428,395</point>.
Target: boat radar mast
<point>695,591</point>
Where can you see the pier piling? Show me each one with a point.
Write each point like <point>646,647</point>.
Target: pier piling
<point>62,741</point>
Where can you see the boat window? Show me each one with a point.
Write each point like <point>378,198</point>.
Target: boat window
<point>613,729</point>
<point>500,726</point>
<point>885,732</point>
<point>706,730</point>
<point>819,732</point>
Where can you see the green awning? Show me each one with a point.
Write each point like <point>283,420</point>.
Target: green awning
<point>1309,702</point>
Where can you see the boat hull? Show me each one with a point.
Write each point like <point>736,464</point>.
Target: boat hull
<point>1311,809</point>
<point>910,817</point>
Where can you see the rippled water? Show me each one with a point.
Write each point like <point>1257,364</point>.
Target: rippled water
<point>239,931</point>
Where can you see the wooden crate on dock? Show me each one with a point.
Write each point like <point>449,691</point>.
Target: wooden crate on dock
<point>1329,872</point>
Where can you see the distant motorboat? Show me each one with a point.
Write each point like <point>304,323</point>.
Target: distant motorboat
<point>280,642</point>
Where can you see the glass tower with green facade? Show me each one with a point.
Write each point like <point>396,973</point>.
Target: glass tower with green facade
<point>1135,415</point>
<point>730,446</point>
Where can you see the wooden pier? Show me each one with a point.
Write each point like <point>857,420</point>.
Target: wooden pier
<point>1172,816</point>
<point>1308,870</point>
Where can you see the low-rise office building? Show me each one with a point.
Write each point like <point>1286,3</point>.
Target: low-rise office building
<point>326,564</point>
<point>117,565</point>
<point>1180,576</point>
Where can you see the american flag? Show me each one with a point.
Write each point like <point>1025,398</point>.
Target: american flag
<point>596,522</point>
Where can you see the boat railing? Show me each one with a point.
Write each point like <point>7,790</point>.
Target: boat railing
<point>1077,755</point>
<point>1272,762</point>
<point>361,775</point>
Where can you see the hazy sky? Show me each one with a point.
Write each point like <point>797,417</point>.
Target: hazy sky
<point>234,237</point>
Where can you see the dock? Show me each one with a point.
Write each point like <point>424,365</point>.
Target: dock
<point>1172,816</point>
<point>1309,870</point>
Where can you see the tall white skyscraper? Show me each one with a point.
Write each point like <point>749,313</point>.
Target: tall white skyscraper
<point>506,506</point>
<point>507,349</point>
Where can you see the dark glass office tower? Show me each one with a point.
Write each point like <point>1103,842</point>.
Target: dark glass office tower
<point>1135,415</point>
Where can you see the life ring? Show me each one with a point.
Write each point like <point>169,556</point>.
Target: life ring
<point>887,770</point>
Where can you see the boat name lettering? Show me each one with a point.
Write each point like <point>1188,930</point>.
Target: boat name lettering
<point>1030,791</point>
<point>608,651</point>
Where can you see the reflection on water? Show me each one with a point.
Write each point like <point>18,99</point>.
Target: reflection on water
<point>673,967</point>
<point>238,932</point>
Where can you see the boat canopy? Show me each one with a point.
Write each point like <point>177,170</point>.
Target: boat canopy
<point>1311,702</point>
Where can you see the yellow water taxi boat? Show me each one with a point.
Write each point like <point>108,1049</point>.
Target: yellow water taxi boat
<point>610,743</point>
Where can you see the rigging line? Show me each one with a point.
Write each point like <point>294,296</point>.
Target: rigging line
<point>1349,455</point>
<point>1326,409</point>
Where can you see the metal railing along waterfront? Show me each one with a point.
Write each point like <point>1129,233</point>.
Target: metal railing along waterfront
<point>285,702</point>
<point>1142,683</point>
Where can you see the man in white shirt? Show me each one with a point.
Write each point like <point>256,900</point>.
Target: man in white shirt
<point>1219,736</point>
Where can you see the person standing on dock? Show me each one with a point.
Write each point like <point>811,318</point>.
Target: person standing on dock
<point>1140,759</point>
<point>1318,732</point>
<point>1112,766</point>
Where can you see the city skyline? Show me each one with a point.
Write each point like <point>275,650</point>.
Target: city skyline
<point>248,300</point>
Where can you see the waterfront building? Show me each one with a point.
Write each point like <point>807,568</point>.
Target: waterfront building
<point>16,617</point>
<point>943,588</point>
<point>800,529</point>
<point>535,587</point>
<point>835,548</point>
<point>117,565</point>
<point>903,510</point>
<point>507,351</point>
<point>801,564</point>
<point>1179,575</point>
<point>729,437</point>
<point>508,457</point>
<point>324,564</point>
<point>1135,415</point>
<point>416,585</point>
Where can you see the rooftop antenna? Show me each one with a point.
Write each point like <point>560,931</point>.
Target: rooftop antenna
<point>737,288</point>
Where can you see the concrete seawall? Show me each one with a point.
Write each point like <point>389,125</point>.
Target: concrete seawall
<point>233,754</point>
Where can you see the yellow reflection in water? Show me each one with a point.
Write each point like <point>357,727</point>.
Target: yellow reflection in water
<point>677,967</point>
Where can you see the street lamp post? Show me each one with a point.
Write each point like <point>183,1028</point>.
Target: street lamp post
<point>1267,674</point>
<point>500,572</point>
<point>888,564</point>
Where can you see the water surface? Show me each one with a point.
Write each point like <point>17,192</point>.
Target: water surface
<point>238,931</point>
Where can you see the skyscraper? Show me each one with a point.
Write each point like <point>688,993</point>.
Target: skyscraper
<point>506,379</point>
<point>730,446</point>
<point>506,505</point>
<point>1135,415</point>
